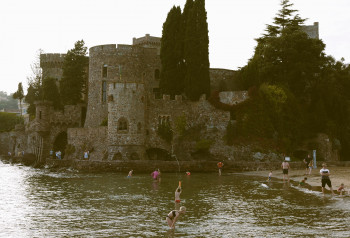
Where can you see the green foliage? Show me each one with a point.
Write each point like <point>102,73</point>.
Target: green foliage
<point>8,121</point>
<point>31,97</point>
<point>34,91</point>
<point>165,131</point>
<point>74,77</point>
<point>274,95</point>
<point>19,94</point>
<point>302,91</point>
<point>180,124</point>
<point>185,51</point>
<point>172,71</point>
<point>203,145</point>
<point>50,92</point>
<point>196,52</point>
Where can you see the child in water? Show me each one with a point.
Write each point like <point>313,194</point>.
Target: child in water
<point>341,189</point>
<point>130,174</point>
<point>270,176</point>
<point>303,182</point>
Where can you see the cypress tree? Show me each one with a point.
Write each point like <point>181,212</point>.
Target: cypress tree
<point>73,82</point>
<point>50,92</point>
<point>171,54</point>
<point>196,52</point>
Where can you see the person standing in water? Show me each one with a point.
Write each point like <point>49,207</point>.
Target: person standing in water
<point>307,161</point>
<point>177,196</point>
<point>155,174</point>
<point>130,174</point>
<point>270,176</point>
<point>325,178</point>
<point>220,165</point>
<point>174,215</point>
<point>285,167</point>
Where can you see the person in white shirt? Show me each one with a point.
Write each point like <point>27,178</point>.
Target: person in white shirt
<point>325,178</point>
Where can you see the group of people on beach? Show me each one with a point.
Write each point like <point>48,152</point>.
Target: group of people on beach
<point>324,172</point>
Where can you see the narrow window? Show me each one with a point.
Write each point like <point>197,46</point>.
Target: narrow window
<point>156,74</point>
<point>122,124</point>
<point>104,91</point>
<point>139,128</point>
<point>39,114</point>
<point>104,71</point>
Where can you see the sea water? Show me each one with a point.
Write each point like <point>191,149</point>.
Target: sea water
<point>40,203</point>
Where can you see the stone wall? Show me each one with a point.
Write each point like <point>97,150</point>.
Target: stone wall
<point>92,139</point>
<point>110,65</point>
<point>312,30</point>
<point>52,65</point>
<point>211,121</point>
<point>222,79</point>
<point>233,97</point>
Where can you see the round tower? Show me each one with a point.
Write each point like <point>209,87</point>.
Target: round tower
<point>126,121</point>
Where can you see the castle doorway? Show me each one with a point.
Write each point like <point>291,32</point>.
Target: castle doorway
<point>60,142</point>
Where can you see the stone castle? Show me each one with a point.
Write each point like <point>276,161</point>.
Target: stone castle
<point>123,109</point>
<point>123,90</point>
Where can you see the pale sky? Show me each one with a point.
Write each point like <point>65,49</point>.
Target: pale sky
<point>54,26</point>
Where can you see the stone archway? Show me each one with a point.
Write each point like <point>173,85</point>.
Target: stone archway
<point>60,142</point>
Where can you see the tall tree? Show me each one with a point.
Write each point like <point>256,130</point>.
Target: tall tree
<point>50,92</point>
<point>19,94</point>
<point>74,77</point>
<point>196,52</point>
<point>171,54</point>
<point>34,91</point>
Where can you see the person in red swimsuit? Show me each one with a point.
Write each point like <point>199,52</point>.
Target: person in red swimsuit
<point>220,165</point>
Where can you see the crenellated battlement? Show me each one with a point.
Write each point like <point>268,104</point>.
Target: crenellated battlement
<point>147,41</point>
<point>51,60</point>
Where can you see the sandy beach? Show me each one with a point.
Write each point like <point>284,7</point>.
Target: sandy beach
<point>338,175</point>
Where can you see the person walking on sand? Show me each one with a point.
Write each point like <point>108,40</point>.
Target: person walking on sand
<point>285,167</point>
<point>173,216</point>
<point>325,178</point>
<point>307,161</point>
<point>220,165</point>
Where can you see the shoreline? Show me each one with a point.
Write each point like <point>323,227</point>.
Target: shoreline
<point>338,175</point>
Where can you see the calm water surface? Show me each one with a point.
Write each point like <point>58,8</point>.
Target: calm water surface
<point>40,203</point>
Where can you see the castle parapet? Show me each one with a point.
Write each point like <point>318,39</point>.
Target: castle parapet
<point>312,30</point>
<point>51,60</point>
<point>147,41</point>
<point>102,49</point>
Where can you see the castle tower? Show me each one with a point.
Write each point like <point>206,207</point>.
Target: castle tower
<point>126,121</point>
<point>108,64</point>
<point>52,65</point>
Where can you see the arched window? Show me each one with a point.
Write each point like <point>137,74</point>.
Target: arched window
<point>156,74</point>
<point>122,125</point>
<point>104,71</point>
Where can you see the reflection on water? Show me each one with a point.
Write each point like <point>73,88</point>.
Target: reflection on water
<point>39,203</point>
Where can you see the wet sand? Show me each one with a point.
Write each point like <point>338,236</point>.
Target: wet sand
<point>338,175</point>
